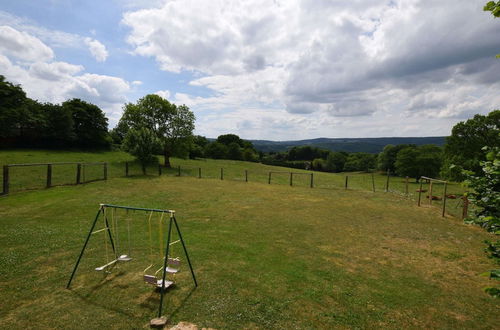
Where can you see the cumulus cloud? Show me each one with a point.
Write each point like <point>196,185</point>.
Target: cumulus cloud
<point>31,65</point>
<point>342,60</point>
<point>97,49</point>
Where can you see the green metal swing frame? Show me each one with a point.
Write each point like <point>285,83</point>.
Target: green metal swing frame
<point>172,222</point>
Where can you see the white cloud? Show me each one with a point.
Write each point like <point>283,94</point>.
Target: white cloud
<point>164,94</point>
<point>23,46</point>
<point>45,80</point>
<point>334,60</point>
<point>97,49</point>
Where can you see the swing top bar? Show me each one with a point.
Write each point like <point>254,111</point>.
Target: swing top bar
<point>137,208</point>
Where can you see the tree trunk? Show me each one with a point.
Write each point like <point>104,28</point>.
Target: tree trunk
<point>166,154</point>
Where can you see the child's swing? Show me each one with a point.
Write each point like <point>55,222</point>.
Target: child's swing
<point>114,245</point>
<point>155,279</point>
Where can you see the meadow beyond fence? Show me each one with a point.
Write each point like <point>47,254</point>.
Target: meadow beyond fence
<point>446,196</point>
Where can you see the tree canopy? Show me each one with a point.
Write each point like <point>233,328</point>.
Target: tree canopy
<point>173,125</point>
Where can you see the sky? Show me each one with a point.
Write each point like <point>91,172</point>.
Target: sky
<point>263,69</point>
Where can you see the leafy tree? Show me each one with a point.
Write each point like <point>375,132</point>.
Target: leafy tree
<point>419,161</point>
<point>216,150</point>
<point>90,125</point>
<point>234,151</point>
<point>387,158</point>
<point>463,147</point>
<point>12,102</point>
<point>172,124</point>
<point>250,155</point>
<point>58,129</point>
<point>306,153</point>
<point>360,161</point>
<point>319,164</point>
<point>119,132</point>
<point>485,194</point>
<point>142,143</point>
<point>335,161</point>
<point>227,139</point>
<point>494,7</point>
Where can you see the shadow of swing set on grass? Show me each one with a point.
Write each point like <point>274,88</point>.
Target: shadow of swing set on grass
<point>160,278</point>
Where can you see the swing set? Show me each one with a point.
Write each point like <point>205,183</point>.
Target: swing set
<point>161,278</point>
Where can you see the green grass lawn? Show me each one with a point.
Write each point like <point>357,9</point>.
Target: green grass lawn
<point>265,256</point>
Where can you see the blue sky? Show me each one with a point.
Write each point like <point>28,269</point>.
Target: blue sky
<point>264,69</point>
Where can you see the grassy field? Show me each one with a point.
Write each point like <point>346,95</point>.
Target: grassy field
<point>23,178</point>
<point>265,256</point>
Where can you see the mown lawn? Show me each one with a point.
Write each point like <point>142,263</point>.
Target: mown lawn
<point>265,256</point>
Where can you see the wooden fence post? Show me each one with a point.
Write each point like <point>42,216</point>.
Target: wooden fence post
<point>291,179</point>
<point>78,173</point>
<point>199,172</point>
<point>246,175</point>
<point>49,175</point>
<point>465,210</point>
<point>312,180</point>
<point>444,198</point>
<point>222,173</point>
<point>387,183</point>
<point>105,171</point>
<point>5,179</point>
<point>373,182</point>
<point>126,168</point>
<point>430,193</point>
<point>179,170</point>
<point>269,180</point>
<point>420,192</point>
<point>346,181</point>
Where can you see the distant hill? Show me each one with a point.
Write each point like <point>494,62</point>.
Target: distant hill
<point>371,145</point>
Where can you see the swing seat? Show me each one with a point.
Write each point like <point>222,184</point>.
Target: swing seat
<point>174,261</point>
<point>151,279</point>
<point>171,270</point>
<point>124,257</point>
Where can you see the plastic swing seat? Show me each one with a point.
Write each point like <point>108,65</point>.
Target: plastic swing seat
<point>151,279</point>
<point>124,257</point>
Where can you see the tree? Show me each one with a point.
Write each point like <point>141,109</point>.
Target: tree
<point>142,143</point>
<point>172,124</point>
<point>234,151</point>
<point>58,130</point>
<point>360,161</point>
<point>419,161</point>
<point>90,125</point>
<point>216,150</point>
<point>494,7</point>
<point>463,148</point>
<point>387,158</point>
<point>12,101</point>
<point>335,161</point>
<point>485,194</point>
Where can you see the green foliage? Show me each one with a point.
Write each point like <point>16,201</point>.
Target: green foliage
<point>319,164</point>
<point>142,143</point>
<point>494,7</point>
<point>360,161</point>
<point>462,150</point>
<point>229,146</point>
<point>485,194</point>
<point>173,125</point>
<point>419,161</point>
<point>306,153</point>
<point>216,150</point>
<point>386,160</point>
<point>335,161</point>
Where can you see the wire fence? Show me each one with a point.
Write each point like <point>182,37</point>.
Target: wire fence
<point>448,197</point>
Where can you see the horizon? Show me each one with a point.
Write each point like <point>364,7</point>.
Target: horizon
<point>280,71</point>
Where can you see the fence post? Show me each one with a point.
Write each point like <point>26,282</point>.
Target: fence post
<point>159,169</point>
<point>199,172</point>
<point>346,181</point>
<point>78,173</point>
<point>430,194</point>
<point>269,180</point>
<point>49,175</point>
<point>5,179</point>
<point>126,168</point>
<point>291,179</point>
<point>179,171</point>
<point>105,171</point>
<point>420,192</point>
<point>373,182</point>
<point>387,183</point>
<point>444,198</point>
<point>406,185</point>
<point>246,175</point>
<point>222,173</point>
<point>312,180</point>
<point>465,210</point>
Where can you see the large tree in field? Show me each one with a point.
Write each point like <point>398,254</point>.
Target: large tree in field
<point>419,161</point>
<point>172,124</point>
<point>463,149</point>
